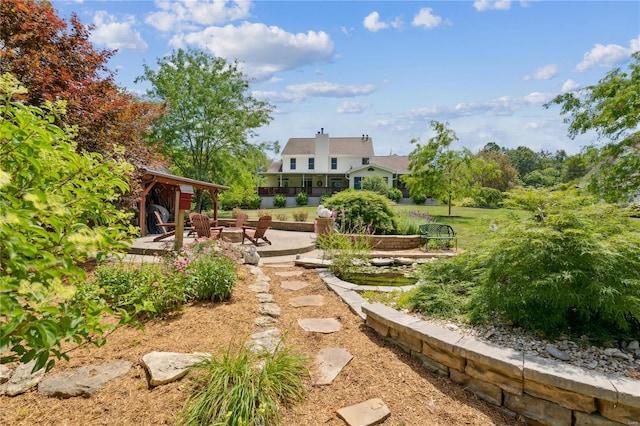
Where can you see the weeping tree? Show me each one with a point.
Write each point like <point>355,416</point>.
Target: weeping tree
<point>210,115</point>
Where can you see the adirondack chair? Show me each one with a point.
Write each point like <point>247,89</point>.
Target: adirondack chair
<point>241,220</point>
<point>254,234</point>
<point>203,228</point>
<point>164,226</point>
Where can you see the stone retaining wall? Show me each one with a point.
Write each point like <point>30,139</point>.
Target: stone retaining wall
<point>544,391</point>
<point>378,242</point>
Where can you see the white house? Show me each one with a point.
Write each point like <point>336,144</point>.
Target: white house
<point>323,164</point>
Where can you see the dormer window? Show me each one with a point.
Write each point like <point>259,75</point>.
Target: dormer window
<point>365,160</point>
<point>292,164</point>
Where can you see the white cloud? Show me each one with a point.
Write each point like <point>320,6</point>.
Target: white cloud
<point>482,5</point>
<point>607,56</point>
<point>263,50</point>
<point>116,35</point>
<point>425,18</point>
<point>348,107</point>
<point>188,14</point>
<point>301,92</point>
<point>569,86</point>
<point>545,73</point>
<point>372,22</point>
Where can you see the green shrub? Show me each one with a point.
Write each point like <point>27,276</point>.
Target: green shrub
<point>279,201</point>
<point>214,277</point>
<point>236,391</point>
<point>468,202</point>
<point>395,195</point>
<point>57,209</point>
<point>419,198</point>
<point>570,267</point>
<point>364,210</point>
<point>281,216</point>
<point>633,210</point>
<point>300,216</point>
<point>324,197</point>
<point>143,291</point>
<point>375,183</point>
<point>345,251</point>
<point>487,197</point>
<point>302,199</point>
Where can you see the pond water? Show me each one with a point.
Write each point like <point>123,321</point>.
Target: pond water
<point>391,278</point>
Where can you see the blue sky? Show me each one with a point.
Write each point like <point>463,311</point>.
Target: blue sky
<point>387,68</point>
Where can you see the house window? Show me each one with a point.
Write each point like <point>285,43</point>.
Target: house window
<point>386,179</point>
<point>357,182</point>
<point>307,183</point>
<point>292,164</point>
<point>365,160</point>
<point>312,163</point>
<point>334,163</point>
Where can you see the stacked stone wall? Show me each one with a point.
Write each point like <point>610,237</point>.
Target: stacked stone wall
<point>543,391</point>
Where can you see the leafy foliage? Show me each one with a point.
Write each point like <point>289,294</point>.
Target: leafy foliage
<point>363,209</point>
<point>279,201</point>
<point>57,210</point>
<point>238,391</point>
<point>610,108</point>
<point>55,60</point>
<point>395,195</point>
<point>210,115</point>
<point>205,271</point>
<point>571,267</point>
<point>300,216</point>
<point>375,183</point>
<point>302,199</point>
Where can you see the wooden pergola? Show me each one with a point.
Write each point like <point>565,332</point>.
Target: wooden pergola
<point>151,178</point>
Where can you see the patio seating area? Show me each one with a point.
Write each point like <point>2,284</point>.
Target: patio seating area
<point>283,243</point>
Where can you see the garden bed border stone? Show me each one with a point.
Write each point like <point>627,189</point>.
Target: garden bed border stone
<point>542,391</point>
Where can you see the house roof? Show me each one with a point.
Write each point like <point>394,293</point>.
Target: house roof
<point>275,167</point>
<point>397,163</point>
<point>168,178</point>
<point>356,146</point>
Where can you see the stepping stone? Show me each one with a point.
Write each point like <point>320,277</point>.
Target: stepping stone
<point>370,412</point>
<point>167,367</point>
<point>23,379</point>
<point>288,273</point>
<point>83,381</point>
<point>293,285</point>
<point>312,300</point>
<point>270,309</point>
<point>330,363</point>
<point>264,297</point>
<point>381,261</point>
<point>265,340</point>
<point>264,321</point>
<point>259,287</point>
<point>5,373</point>
<point>320,325</point>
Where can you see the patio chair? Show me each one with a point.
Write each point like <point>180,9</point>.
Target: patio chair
<point>203,228</point>
<point>164,227</point>
<point>241,220</point>
<point>254,234</point>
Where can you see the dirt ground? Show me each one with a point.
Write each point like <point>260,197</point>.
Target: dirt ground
<point>377,370</point>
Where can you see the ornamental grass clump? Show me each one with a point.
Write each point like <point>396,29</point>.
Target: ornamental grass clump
<point>246,388</point>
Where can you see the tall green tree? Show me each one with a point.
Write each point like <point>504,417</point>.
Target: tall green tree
<point>434,165</point>
<point>611,108</point>
<point>210,115</point>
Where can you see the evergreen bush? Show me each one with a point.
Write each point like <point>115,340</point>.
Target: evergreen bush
<point>302,199</point>
<point>279,201</point>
